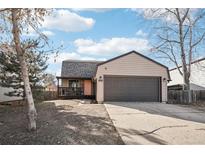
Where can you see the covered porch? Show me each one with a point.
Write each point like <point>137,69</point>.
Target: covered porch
<point>76,88</point>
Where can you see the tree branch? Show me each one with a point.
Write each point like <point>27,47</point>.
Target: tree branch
<point>186,32</point>
<point>198,18</point>
<point>175,60</point>
<point>2,10</point>
<point>168,40</point>
<point>169,10</point>
<point>167,28</point>
<point>199,40</point>
<point>178,15</point>
<point>185,16</point>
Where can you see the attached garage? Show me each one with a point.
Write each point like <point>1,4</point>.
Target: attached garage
<point>132,77</point>
<point>132,88</point>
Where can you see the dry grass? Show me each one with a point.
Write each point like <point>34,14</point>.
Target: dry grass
<point>59,122</point>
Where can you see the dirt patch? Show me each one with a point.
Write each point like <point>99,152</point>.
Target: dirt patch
<point>59,123</point>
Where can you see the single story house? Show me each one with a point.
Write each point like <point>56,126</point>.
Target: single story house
<point>128,77</point>
<point>197,78</point>
<point>51,87</point>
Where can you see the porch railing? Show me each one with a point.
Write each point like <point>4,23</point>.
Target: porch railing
<point>70,91</point>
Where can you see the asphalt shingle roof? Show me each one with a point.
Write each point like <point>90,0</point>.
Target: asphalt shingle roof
<point>79,69</point>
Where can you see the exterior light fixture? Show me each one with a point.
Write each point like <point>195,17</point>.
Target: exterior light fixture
<point>100,79</point>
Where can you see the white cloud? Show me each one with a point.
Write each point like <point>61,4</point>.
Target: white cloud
<point>91,9</point>
<point>65,20</point>
<point>140,33</point>
<point>110,46</point>
<point>31,33</point>
<point>163,14</point>
<point>48,33</point>
<point>54,69</point>
<point>69,55</point>
<point>55,62</point>
<point>137,10</point>
<point>84,42</point>
<point>154,14</point>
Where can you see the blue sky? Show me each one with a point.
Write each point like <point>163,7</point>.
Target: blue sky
<point>98,34</point>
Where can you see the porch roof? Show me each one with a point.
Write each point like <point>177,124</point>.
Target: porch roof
<point>60,77</point>
<point>78,69</point>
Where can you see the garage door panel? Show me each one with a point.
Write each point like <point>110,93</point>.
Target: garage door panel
<point>131,88</point>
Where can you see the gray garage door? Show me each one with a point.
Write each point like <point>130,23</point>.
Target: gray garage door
<point>118,88</point>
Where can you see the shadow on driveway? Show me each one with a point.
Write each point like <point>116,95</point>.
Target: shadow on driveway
<point>147,136</point>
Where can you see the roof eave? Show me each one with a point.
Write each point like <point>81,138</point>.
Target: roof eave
<point>133,51</point>
<point>63,77</point>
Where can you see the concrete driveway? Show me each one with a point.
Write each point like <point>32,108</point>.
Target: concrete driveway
<point>157,123</point>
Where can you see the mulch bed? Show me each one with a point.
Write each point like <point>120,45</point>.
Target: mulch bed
<point>58,124</point>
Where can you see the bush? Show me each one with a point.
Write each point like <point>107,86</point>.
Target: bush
<point>40,95</point>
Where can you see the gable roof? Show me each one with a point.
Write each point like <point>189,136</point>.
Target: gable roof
<point>137,53</point>
<point>78,69</point>
<point>195,61</point>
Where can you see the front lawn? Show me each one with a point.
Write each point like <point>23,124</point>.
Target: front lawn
<point>59,122</point>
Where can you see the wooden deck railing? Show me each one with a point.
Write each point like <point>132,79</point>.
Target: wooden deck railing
<point>70,91</point>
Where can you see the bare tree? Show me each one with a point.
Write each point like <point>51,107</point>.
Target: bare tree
<point>180,32</point>
<point>16,21</point>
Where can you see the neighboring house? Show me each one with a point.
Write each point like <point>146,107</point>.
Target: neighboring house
<point>129,77</point>
<point>5,98</point>
<point>51,87</point>
<point>197,78</point>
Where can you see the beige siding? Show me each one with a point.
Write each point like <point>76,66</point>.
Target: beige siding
<point>65,82</point>
<point>131,64</point>
<point>197,78</point>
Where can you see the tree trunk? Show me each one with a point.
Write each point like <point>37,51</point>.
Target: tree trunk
<point>186,85</point>
<point>32,115</point>
<point>186,80</point>
<point>183,56</point>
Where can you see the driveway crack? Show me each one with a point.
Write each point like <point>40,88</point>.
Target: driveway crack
<point>146,133</point>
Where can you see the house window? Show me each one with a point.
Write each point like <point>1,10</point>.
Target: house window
<point>74,83</point>
<point>76,86</point>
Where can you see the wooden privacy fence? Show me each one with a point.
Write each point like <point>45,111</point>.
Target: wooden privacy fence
<point>50,95</point>
<point>38,95</point>
<point>181,96</point>
<point>41,95</point>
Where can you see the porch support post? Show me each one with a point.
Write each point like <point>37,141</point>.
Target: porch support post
<point>58,87</point>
